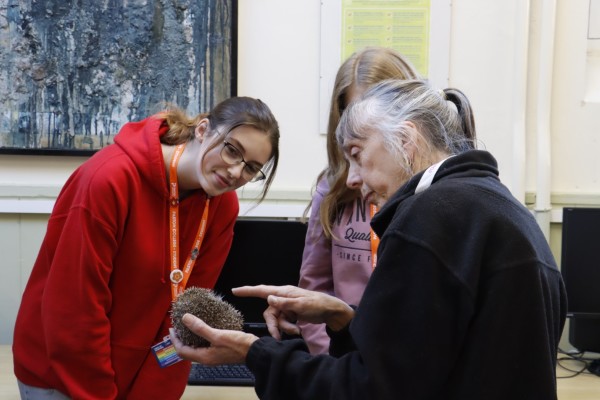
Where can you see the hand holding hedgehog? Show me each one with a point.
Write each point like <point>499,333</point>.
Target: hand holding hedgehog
<point>208,306</point>
<point>226,346</point>
<point>232,346</point>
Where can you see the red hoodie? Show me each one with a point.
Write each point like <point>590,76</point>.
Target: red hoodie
<point>98,297</point>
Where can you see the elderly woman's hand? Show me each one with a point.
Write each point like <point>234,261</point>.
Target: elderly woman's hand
<point>226,346</point>
<point>287,304</point>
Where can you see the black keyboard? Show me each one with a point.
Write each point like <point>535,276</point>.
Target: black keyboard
<point>221,375</point>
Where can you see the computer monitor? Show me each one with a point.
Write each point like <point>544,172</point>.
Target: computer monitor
<point>580,267</point>
<point>264,251</point>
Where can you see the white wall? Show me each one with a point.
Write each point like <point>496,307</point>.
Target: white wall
<point>575,122</point>
<point>485,64</point>
<point>278,61</point>
<point>495,58</point>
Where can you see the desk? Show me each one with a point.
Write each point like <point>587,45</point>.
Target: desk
<point>10,391</point>
<point>585,386</point>
<point>219,393</point>
<point>582,387</point>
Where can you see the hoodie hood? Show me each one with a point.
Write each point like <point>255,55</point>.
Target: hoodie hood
<point>140,141</point>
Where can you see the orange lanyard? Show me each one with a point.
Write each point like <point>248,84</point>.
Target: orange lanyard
<point>178,277</point>
<point>374,239</point>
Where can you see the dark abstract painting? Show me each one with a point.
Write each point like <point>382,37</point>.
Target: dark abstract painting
<point>73,72</point>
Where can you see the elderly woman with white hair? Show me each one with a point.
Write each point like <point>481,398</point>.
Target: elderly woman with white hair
<point>466,301</point>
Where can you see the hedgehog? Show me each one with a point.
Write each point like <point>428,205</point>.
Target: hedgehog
<point>208,306</point>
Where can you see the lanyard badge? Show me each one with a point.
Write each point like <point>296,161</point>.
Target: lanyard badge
<point>165,353</point>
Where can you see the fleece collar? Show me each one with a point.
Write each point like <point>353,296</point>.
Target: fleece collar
<point>472,163</point>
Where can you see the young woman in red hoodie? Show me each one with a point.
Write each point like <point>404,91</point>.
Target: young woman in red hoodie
<point>133,226</point>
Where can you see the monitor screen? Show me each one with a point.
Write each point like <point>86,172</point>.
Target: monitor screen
<point>264,251</point>
<point>580,267</point>
<point>580,260</point>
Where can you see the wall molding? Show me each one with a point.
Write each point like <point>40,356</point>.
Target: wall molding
<point>40,199</point>
<point>559,200</point>
<point>283,203</point>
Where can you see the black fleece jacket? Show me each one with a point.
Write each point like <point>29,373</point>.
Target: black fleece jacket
<point>466,303</point>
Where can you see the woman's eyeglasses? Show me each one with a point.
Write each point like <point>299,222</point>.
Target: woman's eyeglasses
<point>233,156</point>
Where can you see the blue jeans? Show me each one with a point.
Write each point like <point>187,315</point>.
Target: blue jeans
<point>34,393</point>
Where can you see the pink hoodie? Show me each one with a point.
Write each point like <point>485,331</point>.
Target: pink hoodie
<point>340,267</point>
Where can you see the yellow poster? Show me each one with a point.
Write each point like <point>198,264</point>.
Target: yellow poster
<point>399,24</point>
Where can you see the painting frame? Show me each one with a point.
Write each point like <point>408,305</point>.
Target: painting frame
<point>229,34</point>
